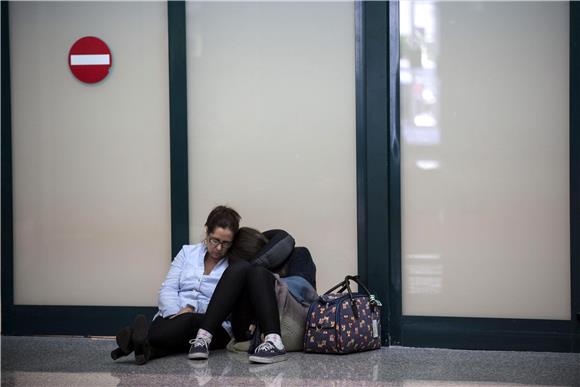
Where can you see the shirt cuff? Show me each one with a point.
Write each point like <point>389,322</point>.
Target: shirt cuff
<point>168,312</point>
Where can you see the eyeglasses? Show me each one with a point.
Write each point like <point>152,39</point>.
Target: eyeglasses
<point>216,242</point>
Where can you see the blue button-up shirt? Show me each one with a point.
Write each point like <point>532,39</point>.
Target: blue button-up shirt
<point>186,285</point>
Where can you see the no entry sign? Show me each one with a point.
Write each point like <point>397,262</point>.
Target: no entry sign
<point>90,59</point>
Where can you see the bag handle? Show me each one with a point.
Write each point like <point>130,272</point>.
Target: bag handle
<point>338,285</point>
<point>356,279</point>
<point>374,302</point>
<point>345,285</point>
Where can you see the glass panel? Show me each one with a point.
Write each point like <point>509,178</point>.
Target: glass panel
<point>272,122</point>
<point>91,162</point>
<point>485,159</point>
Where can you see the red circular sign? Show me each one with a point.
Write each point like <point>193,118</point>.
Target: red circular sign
<point>90,59</point>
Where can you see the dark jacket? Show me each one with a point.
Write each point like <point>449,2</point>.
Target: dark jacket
<point>281,257</point>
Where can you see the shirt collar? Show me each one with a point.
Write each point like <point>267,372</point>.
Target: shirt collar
<point>201,258</point>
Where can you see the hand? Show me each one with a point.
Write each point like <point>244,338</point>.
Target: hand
<point>187,309</point>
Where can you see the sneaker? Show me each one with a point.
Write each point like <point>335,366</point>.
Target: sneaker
<point>199,349</point>
<point>267,353</point>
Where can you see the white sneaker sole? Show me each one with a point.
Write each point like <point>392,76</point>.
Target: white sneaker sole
<point>198,356</point>
<point>267,360</point>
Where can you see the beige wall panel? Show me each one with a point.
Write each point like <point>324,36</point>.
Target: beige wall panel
<point>272,122</point>
<point>485,159</point>
<point>91,162</point>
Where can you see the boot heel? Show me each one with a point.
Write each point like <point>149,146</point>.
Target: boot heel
<point>124,342</point>
<point>139,338</point>
<point>117,353</point>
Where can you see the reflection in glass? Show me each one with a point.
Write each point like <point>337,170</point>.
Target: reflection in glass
<point>419,82</point>
<point>484,112</point>
<point>420,120</point>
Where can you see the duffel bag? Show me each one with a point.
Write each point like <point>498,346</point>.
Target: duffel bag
<point>344,322</point>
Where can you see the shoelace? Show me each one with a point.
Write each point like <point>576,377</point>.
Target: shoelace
<point>198,342</point>
<point>265,346</point>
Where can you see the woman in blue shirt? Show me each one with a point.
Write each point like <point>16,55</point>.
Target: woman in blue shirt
<point>247,293</point>
<point>184,295</point>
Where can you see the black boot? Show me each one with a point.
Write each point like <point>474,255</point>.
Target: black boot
<point>125,343</point>
<point>139,338</point>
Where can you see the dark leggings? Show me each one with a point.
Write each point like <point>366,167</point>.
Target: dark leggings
<point>246,293</point>
<point>172,335</point>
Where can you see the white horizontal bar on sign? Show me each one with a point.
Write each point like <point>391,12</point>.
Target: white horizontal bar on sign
<point>90,59</point>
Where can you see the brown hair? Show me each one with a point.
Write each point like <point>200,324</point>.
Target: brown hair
<point>247,243</point>
<point>224,217</point>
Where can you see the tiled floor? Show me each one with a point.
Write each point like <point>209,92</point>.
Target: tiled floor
<point>58,361</point>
